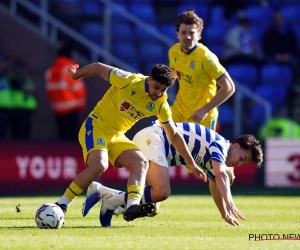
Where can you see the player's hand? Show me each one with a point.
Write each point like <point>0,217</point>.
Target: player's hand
<point>72,71</point>
<point>231,220</point>
<point>198,172</point>
<point>232,210</point>
<point>198,116</point>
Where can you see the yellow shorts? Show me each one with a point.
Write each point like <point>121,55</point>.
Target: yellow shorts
<point>209,123</point>
<point>93,136</point>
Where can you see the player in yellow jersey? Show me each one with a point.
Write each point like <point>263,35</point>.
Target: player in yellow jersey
<point>198,71</point>
<point>102,135</point>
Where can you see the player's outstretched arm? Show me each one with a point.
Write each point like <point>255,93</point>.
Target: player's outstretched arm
<point>221,204</point>
<point>178,142</point>
<point>89,70</point>
<point>222,181</point>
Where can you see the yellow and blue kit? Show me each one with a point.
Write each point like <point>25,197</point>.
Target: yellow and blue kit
<point>197,72</point>
<point>125,102</point>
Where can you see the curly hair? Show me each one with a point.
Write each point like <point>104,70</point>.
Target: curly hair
<point>163,74</point>
<point>250,143</point>
<point>189,17</point>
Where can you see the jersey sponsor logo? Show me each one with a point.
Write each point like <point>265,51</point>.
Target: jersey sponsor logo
<point>213,64</point>
<point>125,106</point>
<point>192,64</point>
<point>100,141</point>
<point>121,73</point>
<point>150,106</point>
<point>148,141</point>
<point>89,132</point>
<point>160,158</point>
<point>131,110</point>
<point>133,92</point>
<point>199,160</point>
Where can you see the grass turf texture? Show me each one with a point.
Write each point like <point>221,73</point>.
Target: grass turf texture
<point>185,222</point>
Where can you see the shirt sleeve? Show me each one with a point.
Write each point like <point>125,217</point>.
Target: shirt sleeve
<point>165,113</point>
<point>212,66</point>
<point>119,78</point>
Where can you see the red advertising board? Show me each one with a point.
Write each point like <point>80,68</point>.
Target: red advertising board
<point>42,168</point>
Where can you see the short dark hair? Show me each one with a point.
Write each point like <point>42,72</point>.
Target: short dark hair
<point>189,17</point>
<point>163,74</point>
<point>249,143</point>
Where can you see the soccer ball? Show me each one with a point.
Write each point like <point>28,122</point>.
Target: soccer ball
<point>49,216</point>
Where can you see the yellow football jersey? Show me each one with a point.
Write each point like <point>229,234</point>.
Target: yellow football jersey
<point>128,101</point>
<point>197,72</point>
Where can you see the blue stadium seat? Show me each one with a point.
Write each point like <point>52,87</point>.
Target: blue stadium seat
<point>217,15</point>
<point>296,28</point>
<point>217,49</point>
<point>259,15</point>
<point>155,51</point>
<point>276,74</point>
<point>122,31</point>
<point>200,2</point>
<point>291,2</point>
<point>93,30</point>
<point>144,11</point>
<point>92,9</point>
<point>169,31</point>
<point>116,16</point>
<point>257,116</point>
<point>126,51</point>
<point>226,114</point>
<point>214,34</point>
<point>291,14</point>
<point>201,10</point>
<point>141,35</point>
<point>245,74</point>
<point>276,95</point>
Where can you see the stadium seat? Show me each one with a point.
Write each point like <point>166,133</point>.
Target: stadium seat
<point>122,31</point>
<point>226,114</point>
<point>126,51</point>
<point>259,15</point>
<point>217,15</point>
<point>169,31</point>
<point>296,28</point>
<point>276,74</point>
<point>214,34</point>
<point>93,30</point>
<point>201,10</point>
<point>143,36</point>
<point>92,9</point>
<point>257,116</point>
<point>245,74</point>
<point>217,49</point>
<point>276,95</point>
<point>291,14</point>
<point>202,2</point>
<point>144,11</point>
<point>149,51</point>
<point>291,3</point>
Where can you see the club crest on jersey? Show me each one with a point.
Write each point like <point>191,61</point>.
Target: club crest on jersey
<point>150,106</point>
<point>121,73</point>
<point>100,141</point>
<point>192,64</point>
<point>125,106</point>
<point>148,141</point>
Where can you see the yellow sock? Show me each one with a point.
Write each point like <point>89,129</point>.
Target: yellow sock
<point>73,191</point>
<point>135,194</point>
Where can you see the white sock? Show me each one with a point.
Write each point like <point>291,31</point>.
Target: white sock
<point>64,200</point>
<point>132,202</point>
<point>116,201</point>
<point>103,190</point>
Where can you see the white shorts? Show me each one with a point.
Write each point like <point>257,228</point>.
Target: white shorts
<point>151,142</point>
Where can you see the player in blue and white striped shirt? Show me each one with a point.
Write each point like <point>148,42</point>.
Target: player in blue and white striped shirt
<point>215,155</point>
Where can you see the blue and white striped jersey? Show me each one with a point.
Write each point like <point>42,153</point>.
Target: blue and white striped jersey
<point>204,144</point>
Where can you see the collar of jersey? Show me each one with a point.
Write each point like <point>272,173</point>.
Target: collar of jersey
<point>191,50</point>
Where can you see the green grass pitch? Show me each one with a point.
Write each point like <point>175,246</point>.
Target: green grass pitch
<point>184,222</point>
